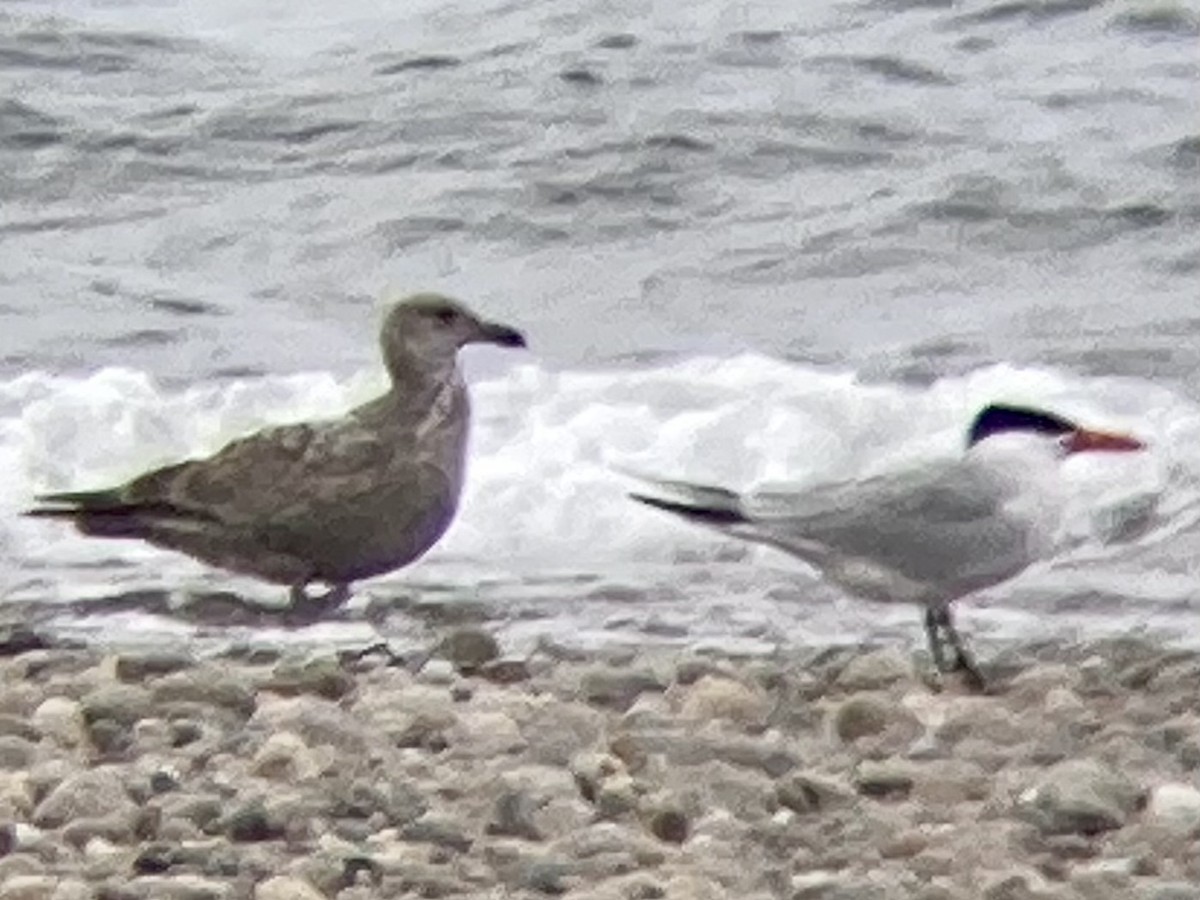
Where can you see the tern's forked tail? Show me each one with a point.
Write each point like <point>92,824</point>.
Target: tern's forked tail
<point>698,503</point>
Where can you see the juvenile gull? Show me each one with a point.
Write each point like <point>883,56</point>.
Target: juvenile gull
<point>926,536</point>
<point>331,501</point>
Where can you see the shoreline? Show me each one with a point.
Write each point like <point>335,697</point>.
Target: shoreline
<point>631,773</point>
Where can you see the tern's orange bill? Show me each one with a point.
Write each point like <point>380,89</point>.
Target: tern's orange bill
<point>1083,440</point>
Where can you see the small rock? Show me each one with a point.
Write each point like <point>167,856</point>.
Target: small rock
<point>120,703</point>
<point>649,711</point>
<point>616,796</point>
<point>618,688</point>
<point>816,885</point>
<point>250,823</point>
<point>16,753</point>
<point>886,778</point>
<point>322,677</point>
<point>437,671</point>
<point>1100,883</point>
<point>693,668</point>
<point>723,698</point>
<point>184,732</point>
<point>207,686</point>
<point>16,793</point>
<point>153,860</point>
<point>1080,797</point>
<point>513,815</point>
<point>904,845</point>
<point>592,770</point>
<point>61,720</point>
<point>116,828</point>
<point>557,732</point>
<point>505,671</point>
<point>110,738</point>
<point>803,792</point>
<point>1176,807</point>
<point>137,667</point>
<point>980,719</point>
<point>686,886</point>
<point>547,876</point>
<point>93,793</point>
<point>285,757</point>
<point>164,780</point>
<point>1178,890</point>
<point>862,716</point>
<point>1061,701</point>
<point>28,887</point>
<point>72,889</point>
<point>1011,886</point>
<point>468,649</point>
<point>874,670</point>
<point>197,809</point>
<point>952,783</point>
<point>396,799</point>
<point>438,830</point>
<point>669,824</point>
<point>770,754</point>
<point>322,722</point>
<point>175,887</point>
<point>152,735</point>
<point>29,729</point>
<point>284,888</point>
<point>485,735</point>
<point>18,864</point>
<point>21,838</point>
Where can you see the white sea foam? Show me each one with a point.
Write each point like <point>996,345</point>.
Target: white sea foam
<point>542,494</point>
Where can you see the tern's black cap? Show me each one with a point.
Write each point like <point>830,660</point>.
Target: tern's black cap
<point>998,418</point>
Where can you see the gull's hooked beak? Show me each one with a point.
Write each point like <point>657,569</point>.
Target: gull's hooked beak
<point>1083,440</point>
<point>495,333</point>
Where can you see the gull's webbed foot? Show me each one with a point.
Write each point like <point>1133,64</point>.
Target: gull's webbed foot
<point>306,609</point>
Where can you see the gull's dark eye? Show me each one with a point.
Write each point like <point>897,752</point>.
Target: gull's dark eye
<point>446,316</point>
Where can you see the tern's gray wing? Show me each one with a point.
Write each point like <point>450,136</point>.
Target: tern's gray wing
<point>946,528</point>
<point>919,535</point>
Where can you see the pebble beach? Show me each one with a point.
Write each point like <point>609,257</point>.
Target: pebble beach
<point>627,774</point>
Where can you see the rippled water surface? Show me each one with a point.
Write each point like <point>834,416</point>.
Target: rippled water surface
<point>747,242</point>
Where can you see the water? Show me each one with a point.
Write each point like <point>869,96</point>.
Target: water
<point>760,242</point>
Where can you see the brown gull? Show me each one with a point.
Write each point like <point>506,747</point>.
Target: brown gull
<point>331,501</point>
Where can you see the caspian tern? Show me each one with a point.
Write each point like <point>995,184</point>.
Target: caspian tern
<point>927,536</point>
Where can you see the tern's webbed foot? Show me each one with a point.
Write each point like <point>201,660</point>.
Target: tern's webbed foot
<point>965,664</point>
<point>939,626</point>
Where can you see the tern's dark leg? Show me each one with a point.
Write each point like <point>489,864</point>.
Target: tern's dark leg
<point>964,660</point>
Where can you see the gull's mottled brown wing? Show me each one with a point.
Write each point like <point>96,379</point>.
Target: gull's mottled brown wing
<point>258,477</point>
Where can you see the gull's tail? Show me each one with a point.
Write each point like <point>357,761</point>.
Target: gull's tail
<point>107,513</point>
<point>72,503</point>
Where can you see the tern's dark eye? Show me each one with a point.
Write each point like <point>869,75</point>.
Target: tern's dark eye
<point>446,316</point>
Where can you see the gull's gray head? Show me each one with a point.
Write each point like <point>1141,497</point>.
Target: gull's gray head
<point>428,330</point>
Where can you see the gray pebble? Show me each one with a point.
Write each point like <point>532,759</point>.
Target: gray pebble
<point>123,704</point>
<point>618,688</point>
